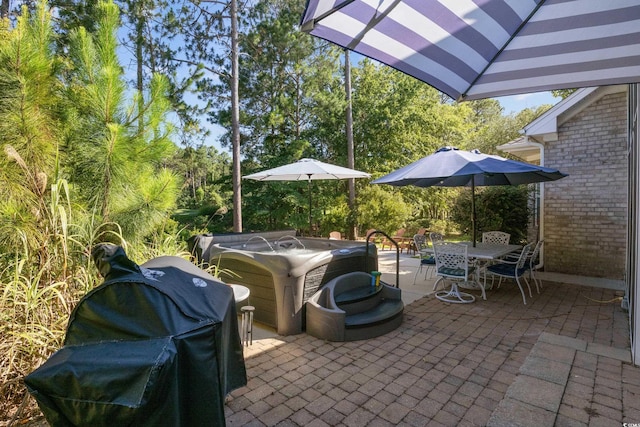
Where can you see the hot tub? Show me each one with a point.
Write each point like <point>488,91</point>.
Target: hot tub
<point>281,270</point>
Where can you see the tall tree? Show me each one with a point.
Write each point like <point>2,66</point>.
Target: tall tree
<point>191,41</point>
<point>351,231</point>
<point>4,8</point>
<point>185,40</point>
<point>235,120</point>
<point>118,167</point>
<point>397,120</point>
<point>31,130</point>
<point>276,66</point>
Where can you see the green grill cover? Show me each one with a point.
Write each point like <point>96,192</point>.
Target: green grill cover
<point>155,344</point>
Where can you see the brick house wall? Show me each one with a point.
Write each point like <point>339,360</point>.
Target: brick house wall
<point>586,213</point>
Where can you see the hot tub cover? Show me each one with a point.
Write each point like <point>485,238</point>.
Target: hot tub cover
<point>155,344</point>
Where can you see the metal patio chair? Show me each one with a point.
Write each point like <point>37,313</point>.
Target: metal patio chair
<point>496,237</point>
<point>512,270</point>
<point>427,259</point>
<point>452,265</point>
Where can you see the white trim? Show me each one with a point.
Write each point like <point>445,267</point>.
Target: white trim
<point>545,127</point>
<point>522,148</point>
<point>547,123</point>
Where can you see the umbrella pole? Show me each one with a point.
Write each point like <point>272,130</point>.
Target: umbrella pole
<point>309,190</point>
<point>473,210</point>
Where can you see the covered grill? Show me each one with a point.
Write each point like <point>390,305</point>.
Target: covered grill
<point>155,344</point>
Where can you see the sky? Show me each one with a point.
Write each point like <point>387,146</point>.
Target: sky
<point>517,103</point>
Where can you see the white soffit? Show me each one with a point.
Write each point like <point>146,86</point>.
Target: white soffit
<point>523,148</point>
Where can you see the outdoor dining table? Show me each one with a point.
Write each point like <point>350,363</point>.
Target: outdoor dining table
<point>489,251</point>
<point>484,251</point>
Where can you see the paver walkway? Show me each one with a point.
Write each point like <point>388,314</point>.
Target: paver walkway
<point>563,360</point>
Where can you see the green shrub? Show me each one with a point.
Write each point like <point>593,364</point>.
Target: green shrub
<point>503,208</point>
<point>382,209</point>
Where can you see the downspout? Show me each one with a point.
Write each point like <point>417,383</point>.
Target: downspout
<point>541,227</point>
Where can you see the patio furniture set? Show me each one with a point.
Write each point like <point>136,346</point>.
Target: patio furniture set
<point>466,265</point>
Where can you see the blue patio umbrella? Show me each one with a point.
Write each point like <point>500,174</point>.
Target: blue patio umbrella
<point>451,167</point>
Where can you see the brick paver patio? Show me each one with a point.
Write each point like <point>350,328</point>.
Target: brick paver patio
<point>563,360</point>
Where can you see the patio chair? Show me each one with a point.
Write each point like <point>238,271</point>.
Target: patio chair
<point>496,237</point>
<point>397,236</point>
<point>512,270</point>
<point>534,265</point>
<point>412,246</point>
<point>335,235</point>
<point>532,262</point>
<point>437,237</point>
<point>452,265</point>
<point>368,233</point>
<point>427,260</point>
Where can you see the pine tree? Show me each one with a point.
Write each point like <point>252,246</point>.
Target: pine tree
<point>30,130</point>
<point>117,146</point>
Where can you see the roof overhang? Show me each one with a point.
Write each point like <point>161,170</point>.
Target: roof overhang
<point>523,148</point>
<point>545,128</point>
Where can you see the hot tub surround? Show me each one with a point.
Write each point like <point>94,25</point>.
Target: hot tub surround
<point>281,270</point>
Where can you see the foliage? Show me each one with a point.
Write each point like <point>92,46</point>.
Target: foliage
<point>30,125</point>
<point>562,93</point>
<point>334,217</point>
<point>205,172</point>
<point>381,209</point>
<point>444,227</point>
<point>493,127</point>
<point>115,164</point>
<point>73,160</point>
<point>186,41</point>
<point>398,120</point>
<point>503,208</point>
<point>84,161</point>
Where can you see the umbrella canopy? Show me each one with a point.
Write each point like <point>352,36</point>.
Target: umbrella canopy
<point>489,48</point>
<point>307,170</point>
<point>450,167</point>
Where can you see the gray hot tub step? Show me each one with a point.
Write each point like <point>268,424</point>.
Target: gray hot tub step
<point>347,308</point>
<point>383,311</point>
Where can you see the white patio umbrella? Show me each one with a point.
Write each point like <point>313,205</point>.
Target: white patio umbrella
<point>489,48</point>
<point>450,167</point>
<point>307,170</point>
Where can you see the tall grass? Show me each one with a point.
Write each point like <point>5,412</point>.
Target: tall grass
<point>39,287</point>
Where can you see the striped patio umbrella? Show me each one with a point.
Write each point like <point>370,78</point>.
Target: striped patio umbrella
<point>488,48</point>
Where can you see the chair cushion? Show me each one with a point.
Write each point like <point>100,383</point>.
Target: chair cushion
<point>507,270</point>
<point>431,261</point>
<point>454,271</point>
